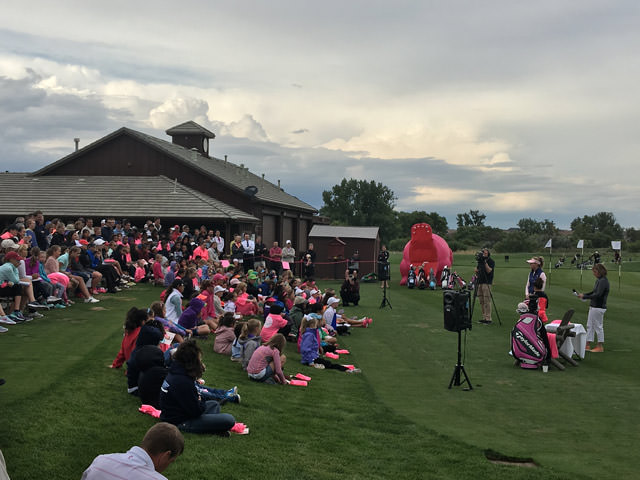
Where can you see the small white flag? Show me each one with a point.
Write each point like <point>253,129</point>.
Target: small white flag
<point>548,245</point>
<point>616,245</point>
<point>580,244</point>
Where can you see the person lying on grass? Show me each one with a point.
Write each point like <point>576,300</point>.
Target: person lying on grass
<point>310,349</point>
<point>180,402</point>
<point>267,361</point>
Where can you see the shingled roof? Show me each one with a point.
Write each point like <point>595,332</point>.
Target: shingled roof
<point>236,177</point>
<point>336,231</point>
<point>101,196</point>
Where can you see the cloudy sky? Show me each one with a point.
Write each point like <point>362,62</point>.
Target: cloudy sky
<point>518,109</point>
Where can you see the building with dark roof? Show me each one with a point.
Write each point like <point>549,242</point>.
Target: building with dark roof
<point>143,176</point>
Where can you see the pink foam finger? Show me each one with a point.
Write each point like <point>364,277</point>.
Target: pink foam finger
<point>342,352</point>
<point>298,383</point>
<point>300,376</point>
<point>332,355</point>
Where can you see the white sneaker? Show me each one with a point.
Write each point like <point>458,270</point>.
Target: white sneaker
<point>91,300</point>
<point>3,329</point>
<point>7,320</point>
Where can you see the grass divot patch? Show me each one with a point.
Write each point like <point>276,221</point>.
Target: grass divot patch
<point>500,459</point>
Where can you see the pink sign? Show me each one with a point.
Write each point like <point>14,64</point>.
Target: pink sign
<point>285,265</point>
<point>224,263</point>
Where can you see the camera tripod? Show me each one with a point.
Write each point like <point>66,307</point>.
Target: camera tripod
<point>473,303</point>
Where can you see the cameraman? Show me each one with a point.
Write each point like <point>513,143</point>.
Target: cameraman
<point>484,272</point>
<point>383,267</point>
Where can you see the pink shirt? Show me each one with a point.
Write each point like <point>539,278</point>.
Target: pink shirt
<point>201,252</point>
<point>139,275</point>
<point>157,271</point>
<point>272,324</point>
<point>261,358</point>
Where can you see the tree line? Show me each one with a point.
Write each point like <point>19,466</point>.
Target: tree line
<point>368,203</point>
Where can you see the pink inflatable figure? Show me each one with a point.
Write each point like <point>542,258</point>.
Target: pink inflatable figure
<point>427,249</point>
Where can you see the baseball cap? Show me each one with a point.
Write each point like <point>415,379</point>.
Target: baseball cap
<point>219,289</point>
<point>12,256</point>
<point>8,243</point>
<point>332,301</point>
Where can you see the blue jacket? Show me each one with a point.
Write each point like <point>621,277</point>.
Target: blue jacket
<point>179,400</point>
<point>309,346</point>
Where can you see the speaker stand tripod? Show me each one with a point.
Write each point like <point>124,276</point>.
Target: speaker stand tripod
<point>385,301</point>
<point>459,368</point>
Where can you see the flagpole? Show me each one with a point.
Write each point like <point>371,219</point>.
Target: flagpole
<point>617,245</point>
<point>620,267</point>
<point>550,262</point>
<point>581,245</point>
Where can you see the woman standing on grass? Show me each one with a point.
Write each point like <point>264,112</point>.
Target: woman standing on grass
<point>536,272</point>
<point>597,307</point>
<point>180,402</point>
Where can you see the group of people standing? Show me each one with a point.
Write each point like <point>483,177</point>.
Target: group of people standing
<point>538,301</point>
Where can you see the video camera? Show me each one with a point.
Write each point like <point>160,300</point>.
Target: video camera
<point>480,256</point>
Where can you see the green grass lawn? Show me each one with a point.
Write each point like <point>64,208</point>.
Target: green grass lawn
<point>61,406</point>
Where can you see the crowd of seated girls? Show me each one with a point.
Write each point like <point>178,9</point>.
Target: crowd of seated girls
<point>254,317</point>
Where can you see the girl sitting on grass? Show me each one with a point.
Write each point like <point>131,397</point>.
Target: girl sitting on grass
<point>225,335</point>
<point>173,300</point>
<point>132,324</point>
<point>275,322</point>
<point>190,318</point>
<point>158,311</point>
<point>180,402</point>
<point>267,361</point>
<point>245,304</point>
<point>229,299</point>
<point>310,349</point>
<point>247,342</point>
